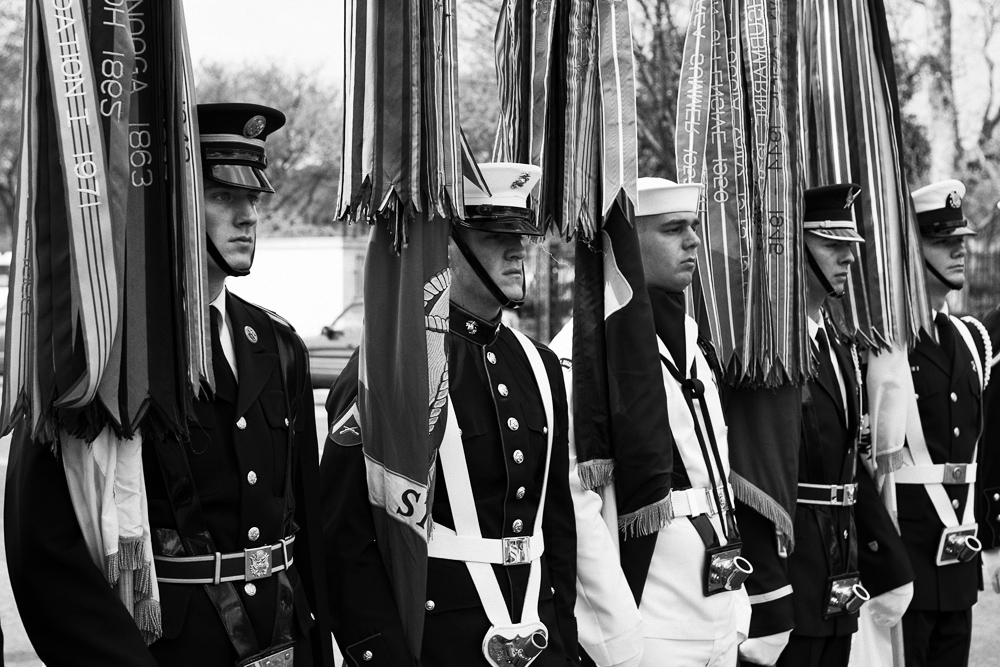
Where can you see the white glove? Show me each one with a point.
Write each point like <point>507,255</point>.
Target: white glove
<point>764,650</point>
<point>886,609</point>
<point>991,568</point>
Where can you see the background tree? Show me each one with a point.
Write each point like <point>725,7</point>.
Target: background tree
<point>11,46</point>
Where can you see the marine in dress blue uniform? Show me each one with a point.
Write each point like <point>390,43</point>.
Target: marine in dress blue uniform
<point>948,367</point>
<point>242,487</point>
<point>498,405</point>
<point>844,538</point>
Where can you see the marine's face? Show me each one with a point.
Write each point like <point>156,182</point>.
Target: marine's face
<point>502,255</point>
<point>669,246</point>
<point>947,256</point>
<point>231,223</point>
<point>834,258</point>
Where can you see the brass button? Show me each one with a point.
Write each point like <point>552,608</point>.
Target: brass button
<point>518,526</point>
<point>954,503</point>
<point>520,492</point>
<point>253,534</point>
<point>512,424</point>
<point>252,477</point>
<point>845,534</point>
<point>545,430</point>
<point>241,423</point>
<point>286,421</point>
<point>518,456</point>
<point>954,397</point>
<point>367,656</point>
<point>502,389</point>
<point>996,496</point>
<point>429,605</point>
<point>957,431</point>
<point>916,396</point>
<point>490,357</point>
<point>250,588</point>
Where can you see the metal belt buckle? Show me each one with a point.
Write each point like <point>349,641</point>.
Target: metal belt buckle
<point>849,491</point>
<point>844,595</point>
<point>710,502</point>
<point>257,563</point>
<point>516,551</point>
<point>958,544</point>
<point>955,473</point>
<point>515,645</point>
<point>282,656</point>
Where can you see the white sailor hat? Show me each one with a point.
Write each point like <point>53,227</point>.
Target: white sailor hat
<point>939,209</point>
<point>505,208</point>
<point>659,196</point>
<point>828,212</point>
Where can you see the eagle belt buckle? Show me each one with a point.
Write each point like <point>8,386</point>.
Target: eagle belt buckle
<point>257,563</point>
<point>516,551</point>
<point>958,544</point>
<point>515,645</point>
<point>282,656</point>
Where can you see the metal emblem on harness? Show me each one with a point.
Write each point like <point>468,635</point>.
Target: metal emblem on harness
<point>958,544</point>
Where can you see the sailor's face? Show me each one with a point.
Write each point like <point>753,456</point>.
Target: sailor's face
<point>669,247</point>
<point>947,256</point>
<point>834,258</point>
<point>231,223</point>
<point>502,255</point>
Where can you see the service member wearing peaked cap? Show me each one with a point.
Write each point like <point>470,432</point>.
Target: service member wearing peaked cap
<point>233,510</point>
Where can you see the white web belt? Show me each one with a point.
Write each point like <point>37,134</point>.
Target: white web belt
<point>466,542</point>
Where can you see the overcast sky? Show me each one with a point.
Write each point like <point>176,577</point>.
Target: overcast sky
<point>299,34</point>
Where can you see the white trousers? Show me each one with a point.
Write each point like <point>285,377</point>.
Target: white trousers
<point>690,652</point>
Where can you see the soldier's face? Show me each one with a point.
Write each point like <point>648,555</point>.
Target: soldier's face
<point>231,223</point>
<point>669,247</point>
<point>947,256</point>
<point>834,258</point>
<point>502,255</point>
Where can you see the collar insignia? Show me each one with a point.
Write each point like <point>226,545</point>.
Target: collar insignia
<point>471,327</point>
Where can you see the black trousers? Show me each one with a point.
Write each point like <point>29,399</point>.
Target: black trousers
<point>937,638</point>
<point>816,652</point>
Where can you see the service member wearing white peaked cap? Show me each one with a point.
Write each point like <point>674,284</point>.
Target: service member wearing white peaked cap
<point>502,558</point>
<point>949,366</point>
<point>685,617</point>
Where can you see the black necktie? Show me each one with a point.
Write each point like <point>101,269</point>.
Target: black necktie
<point>218,354</point>
<point>826,368</point>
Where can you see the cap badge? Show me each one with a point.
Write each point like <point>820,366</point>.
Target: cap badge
<point>251,334</point>
<point>954,200</point>
<point>254,126</point>
<point>519,181</point>
<point>851,196</point>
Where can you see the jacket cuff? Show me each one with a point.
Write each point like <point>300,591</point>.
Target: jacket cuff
<point>772,612</point>
<point>369,652</point>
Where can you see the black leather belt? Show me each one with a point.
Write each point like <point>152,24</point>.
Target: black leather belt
<point>248,565</point>
<point>842,495</point>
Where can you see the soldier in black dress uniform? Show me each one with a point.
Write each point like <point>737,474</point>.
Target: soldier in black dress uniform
<point>837,507</point>
<point>517,461</point>
<point>934,489</point>
<point>230,509</point>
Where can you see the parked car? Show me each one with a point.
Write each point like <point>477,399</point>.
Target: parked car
<point>333,347</point>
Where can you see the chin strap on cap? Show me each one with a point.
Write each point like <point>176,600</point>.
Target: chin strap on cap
<point>818,272</point>
<point>484,275</point>
<point>217,257</point>
<point>937,274</point>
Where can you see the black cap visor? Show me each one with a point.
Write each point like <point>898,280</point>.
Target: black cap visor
<point>500,220</point>
<point>239,176</point>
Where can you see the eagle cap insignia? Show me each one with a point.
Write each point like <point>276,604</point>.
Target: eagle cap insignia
<point>251,334</point>
<point>954,200</point>
<point>519,181</point>
<point>254,126</point>
<point>852,194</point>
